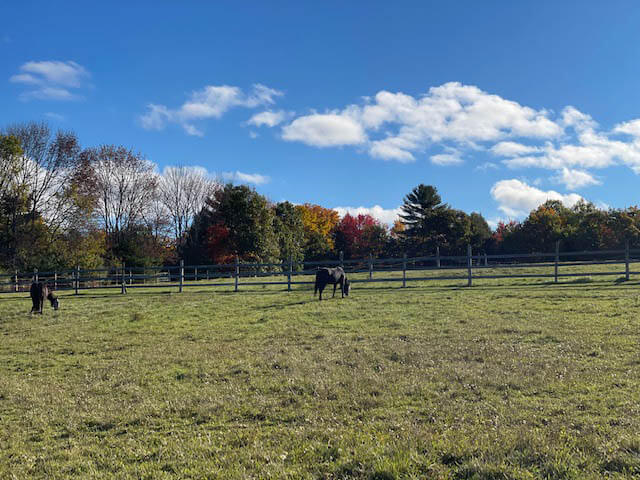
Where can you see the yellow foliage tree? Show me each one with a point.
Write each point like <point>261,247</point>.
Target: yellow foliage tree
<point>320,220</point>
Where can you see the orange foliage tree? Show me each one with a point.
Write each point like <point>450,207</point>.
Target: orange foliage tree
<point>318,223</point>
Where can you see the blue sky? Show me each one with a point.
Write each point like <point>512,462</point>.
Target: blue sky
<point>500,105</point>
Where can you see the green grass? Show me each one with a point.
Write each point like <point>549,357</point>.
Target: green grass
<point>508,379</point>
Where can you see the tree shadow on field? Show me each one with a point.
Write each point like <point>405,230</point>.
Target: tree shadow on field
<point>280,305</point>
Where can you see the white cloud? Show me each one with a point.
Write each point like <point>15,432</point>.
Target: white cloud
<point>387,216</point>
<point>574,179</point>
<point>55,116</point>
<point>592,150</point>
<point>516,199</point>
<point>630,128</point>
<point>51,80</point>
<point>156,117</point>
<point>325,130</point>
<point>267,118</point>
<point>210,102</point>
<point>493,222</point>
<point>451,113</point>
<point>240,177</point>
<point>512,149</point>
<point>487,166</point>
<point>392,149</point>
<point>446,159</point>
<point>571,117</point>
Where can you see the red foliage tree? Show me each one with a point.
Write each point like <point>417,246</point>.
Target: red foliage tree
<point>358,235</point>
<point>218,244</point>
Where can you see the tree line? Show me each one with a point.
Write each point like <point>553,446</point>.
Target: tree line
<point>62,205</point>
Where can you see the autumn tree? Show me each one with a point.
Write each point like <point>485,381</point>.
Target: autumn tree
<point>360,235</point>
<point>318,223</point>
<point>235,221</point>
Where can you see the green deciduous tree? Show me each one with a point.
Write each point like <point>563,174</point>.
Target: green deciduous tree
<point>289,231</point>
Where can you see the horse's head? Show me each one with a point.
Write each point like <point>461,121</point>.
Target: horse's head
<point>54,301</point>
<point>347,287</point>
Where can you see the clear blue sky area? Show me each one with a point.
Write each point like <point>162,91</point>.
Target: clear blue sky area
<point>500,105</point>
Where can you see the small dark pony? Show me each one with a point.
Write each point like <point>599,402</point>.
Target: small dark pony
<point>332,276</point>
<point>40,291</point>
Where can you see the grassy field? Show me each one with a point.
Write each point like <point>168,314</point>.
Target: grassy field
<point>507,379</point>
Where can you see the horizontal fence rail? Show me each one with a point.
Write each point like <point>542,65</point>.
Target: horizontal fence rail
<point>465,268</point>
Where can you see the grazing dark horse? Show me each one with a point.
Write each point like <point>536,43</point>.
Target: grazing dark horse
<point>334,276</point>
<point>40,291</point>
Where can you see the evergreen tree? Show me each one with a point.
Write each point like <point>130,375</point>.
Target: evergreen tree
<point>427,221</point>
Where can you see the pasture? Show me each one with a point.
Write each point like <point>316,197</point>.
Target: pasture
<point>514,379</point>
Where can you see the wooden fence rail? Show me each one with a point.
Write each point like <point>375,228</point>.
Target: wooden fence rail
<point>467,268</point>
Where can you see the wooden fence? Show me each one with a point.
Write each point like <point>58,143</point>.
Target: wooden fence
<point>466,268</point>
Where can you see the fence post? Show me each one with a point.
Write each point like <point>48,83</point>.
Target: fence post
<point>469,262</point>
<point>130,277</point>
<point>486,260</point>
<point>77,279</point>
<point>16,280</point>
<point>237,274</point>
<point>557,260</point>
<point>370,266</point>
<point>35,275</point>
<point>289,273</point>
<point>626,260</point>
<point>437,257</point>
<point>404,270</point>
<point>55,280</point>
<point>123,282</point>
<point>341,259</point>
<point>181,276</point>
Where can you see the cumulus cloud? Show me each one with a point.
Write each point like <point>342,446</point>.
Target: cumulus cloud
<point>268,118</point>
<point>446,159</point>
<point>463,120</point>
<point>516,199</point>
<point>210,102</point>
<point>325,130</point>
<point>51,80</point>
<point>392,149</point>
<point>574,179</point>
<point>444,125</point>
<point>572,117</point>
<point>241,177</point>
<point>451,113</point>
<point>630,128</point>
<point>591,150</point>
<point>512,149</point>
<point>387,216</point>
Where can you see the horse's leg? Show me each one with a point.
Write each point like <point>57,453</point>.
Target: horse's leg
<point>334,290</point>
<point>320,289</point>
<point>342,286</point>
